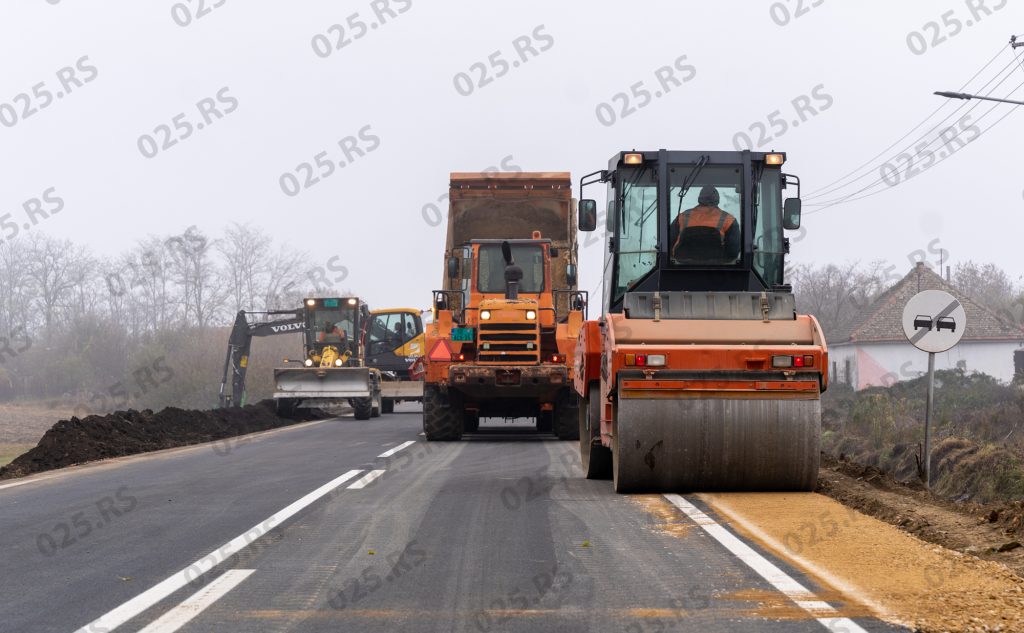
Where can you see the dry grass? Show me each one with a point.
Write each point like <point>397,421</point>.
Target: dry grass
<point>26,422</point>
<point>10,451</point>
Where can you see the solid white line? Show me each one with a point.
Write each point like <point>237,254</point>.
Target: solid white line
<point>119,615</point>
<point>366,479</point>
<point>394,450</point>
<point>30,481</point>
<point>803,597</point>
<point>816,570</point>
<point>182,614</point>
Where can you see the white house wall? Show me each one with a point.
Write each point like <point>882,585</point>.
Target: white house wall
<point>881,364</point>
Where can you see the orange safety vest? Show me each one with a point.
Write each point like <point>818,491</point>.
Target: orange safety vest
<point>711,217</point>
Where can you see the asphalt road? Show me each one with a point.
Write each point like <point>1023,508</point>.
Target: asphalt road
<point>284,532</point>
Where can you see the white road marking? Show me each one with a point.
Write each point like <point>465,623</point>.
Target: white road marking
<point>30,481</point>
<point>155,594</point>
<point>822,611</point>
<point>816,570</point>
<point>195,604</point>
<point>394,450</point>
<point>366,479</point>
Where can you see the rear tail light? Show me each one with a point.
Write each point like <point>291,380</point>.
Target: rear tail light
<point>459,357</point>
<point>806,360</point>
<point>558,358</point>
<point>645,360</point>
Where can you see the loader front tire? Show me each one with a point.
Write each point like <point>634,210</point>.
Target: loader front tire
<point>363,408</point>
<point>442,420</point>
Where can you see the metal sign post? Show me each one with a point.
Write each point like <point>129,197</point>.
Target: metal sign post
<point>933,321</point>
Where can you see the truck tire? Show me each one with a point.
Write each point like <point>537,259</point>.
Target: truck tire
<point>441,423</point>
<point>363,408</point>
<point>388,405</point>
<point>471,422</point>
<point>545,421</point>
<point>595,458</point>
<point>567,426</point>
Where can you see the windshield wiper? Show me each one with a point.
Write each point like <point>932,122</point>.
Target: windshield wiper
<point>689,180</point>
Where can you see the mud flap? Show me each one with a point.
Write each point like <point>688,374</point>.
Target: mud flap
<point>695,445</point>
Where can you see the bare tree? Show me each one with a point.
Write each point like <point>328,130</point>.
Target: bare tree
<point>54,268</point>
<point>196,275</point>
<point>246,252</point>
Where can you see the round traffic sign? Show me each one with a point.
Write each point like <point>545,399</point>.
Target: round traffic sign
<point>934,320</point>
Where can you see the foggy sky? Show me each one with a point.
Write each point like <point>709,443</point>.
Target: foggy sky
<point>393,91</point>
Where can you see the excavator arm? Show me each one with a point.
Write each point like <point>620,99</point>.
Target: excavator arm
<point>236,362</point>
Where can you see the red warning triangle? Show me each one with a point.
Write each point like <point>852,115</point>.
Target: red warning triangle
<point>440,351</point>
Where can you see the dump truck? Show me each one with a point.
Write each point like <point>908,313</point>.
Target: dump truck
<point>508,314</point>
<point>331,371</point>
<point>394,346</point>
<point>699,374</point>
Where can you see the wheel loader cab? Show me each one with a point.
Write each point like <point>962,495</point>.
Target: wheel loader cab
<point>347,315</point>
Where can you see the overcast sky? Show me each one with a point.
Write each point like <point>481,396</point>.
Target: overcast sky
<point>868,69</point>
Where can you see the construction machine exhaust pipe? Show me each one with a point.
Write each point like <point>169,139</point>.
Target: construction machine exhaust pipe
<point>513,273</point>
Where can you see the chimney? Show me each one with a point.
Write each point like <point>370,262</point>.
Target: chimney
<point>947,274</point>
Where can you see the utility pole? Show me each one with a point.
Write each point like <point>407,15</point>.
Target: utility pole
<point>1014,44</point>
<point>963,95</point>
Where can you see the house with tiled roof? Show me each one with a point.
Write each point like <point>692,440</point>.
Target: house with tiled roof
<point>875,352</point>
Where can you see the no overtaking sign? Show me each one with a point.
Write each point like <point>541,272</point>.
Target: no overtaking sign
<point>934,321</point>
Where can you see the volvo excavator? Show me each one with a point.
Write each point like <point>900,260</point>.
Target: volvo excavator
<point>699,375</point>
<point>332,370</point>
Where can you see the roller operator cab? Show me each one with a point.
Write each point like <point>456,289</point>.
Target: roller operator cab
<point>505,324</point>
<point>699,375</point>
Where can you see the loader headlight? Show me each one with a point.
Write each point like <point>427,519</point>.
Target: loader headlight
<point>485,315</point>
<point>530,315</point>
<point>352,302</point>
<point>337,362</point>
<point>308,362</point>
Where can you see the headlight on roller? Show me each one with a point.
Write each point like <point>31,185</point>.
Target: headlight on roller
<point>530,315</point>
<point>485,315</point>
<point>337,362</point>
<point>308,362</point>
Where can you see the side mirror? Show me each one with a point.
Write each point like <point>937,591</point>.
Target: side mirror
<point>570,275</point>
<point>453,267</point>
<point>587,215</point>
<point>791,214</point>
<point>609,220</point>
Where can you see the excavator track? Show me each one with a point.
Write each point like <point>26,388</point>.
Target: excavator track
<point>692,444</point>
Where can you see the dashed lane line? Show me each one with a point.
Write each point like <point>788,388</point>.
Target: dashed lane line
<point>366,479</point>
<point>162,590</point>
<point>198,602</point>
<point>394,450</point>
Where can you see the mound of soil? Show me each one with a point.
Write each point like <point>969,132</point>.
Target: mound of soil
<point>989,531</point>
<point>122,433</point>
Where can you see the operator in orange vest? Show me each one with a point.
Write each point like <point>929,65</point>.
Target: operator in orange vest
<point>332,334</point>
<point>706,233</point>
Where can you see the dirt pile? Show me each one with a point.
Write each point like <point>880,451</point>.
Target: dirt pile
<point>122,433</point>
<point>987,531</point>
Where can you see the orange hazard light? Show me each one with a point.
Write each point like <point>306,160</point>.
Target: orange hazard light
<point>441,351</point>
